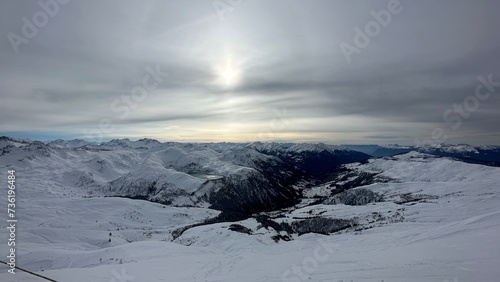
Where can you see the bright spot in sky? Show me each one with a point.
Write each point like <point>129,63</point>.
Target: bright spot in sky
<point>229,74</point>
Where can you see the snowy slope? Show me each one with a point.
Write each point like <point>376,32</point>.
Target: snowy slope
<point>438,220</point>
<point>163,172</point>
<point>487,155</point>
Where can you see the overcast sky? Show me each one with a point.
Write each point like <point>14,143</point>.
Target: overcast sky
<point>247,70</point>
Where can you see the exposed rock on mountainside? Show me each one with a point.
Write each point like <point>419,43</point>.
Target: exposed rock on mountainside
<point>355,197</point>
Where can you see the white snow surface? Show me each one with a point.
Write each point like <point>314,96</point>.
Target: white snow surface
<point>453,236</point>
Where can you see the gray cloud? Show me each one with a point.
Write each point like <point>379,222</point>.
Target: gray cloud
<point>285,65</point>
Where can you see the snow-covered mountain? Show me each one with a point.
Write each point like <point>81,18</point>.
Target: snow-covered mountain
<point>247,181</point>
<point>487,155</point>
<point>248,212</point>
<point>318,160</point>
<point>245,177</point>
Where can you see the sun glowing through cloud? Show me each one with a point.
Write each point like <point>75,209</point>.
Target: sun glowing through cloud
<point>229,74</point>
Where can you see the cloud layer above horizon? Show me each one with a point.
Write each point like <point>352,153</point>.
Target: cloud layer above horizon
<point>251,70</point>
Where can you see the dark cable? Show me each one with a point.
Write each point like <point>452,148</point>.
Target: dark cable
<point>32,273</point>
